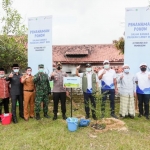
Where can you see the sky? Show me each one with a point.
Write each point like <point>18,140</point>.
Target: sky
<point>79,21</point>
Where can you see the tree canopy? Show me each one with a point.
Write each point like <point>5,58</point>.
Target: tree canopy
<point>13,41</point>
<point>119,44</point>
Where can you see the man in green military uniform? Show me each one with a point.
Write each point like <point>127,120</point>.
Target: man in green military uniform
<point>42,92</point>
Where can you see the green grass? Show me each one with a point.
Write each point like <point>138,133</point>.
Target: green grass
<point>47,134</point>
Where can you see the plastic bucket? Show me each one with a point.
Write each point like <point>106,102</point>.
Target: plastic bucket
<point>6,118</point>
<point>72,124</point>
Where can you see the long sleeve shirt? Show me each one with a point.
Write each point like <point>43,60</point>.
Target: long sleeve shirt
<point>28,83</point>
<point>58,81</point>
<point>127,85</point>
<point>16,85</point>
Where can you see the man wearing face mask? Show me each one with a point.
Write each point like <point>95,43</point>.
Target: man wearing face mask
<point>142,81</point>
<point>109,86</point>
<point>90,87</point>
<point>127,89</point>
<point>59,92</point>
<point>4,92</point>
<point>42,92</point>
<point>16,91</point>
<point>28,93</point>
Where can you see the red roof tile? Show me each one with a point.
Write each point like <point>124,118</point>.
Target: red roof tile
<point>96,53</point>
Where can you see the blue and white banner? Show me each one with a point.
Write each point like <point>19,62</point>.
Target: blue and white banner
<point>137,37</point>
<point>40,43</point>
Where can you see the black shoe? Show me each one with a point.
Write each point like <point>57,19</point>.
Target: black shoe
<point>132,117</point>
<point>38,116</point>
<point>114,116</point>
<point>55,117</point>
<point>15,120</point>
<point>94,117</point>
<point>139,115</point>
<point>31,117</point>
<point>147,117</point>
<point>64,117</point>
<point>21,116</point>
<point>46,115</point>
<point>87,116</point>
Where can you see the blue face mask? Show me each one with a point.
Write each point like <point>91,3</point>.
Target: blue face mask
<point>126,70</point>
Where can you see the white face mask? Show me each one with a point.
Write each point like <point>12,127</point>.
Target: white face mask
<point>88,69</point>
<point>1,75</point>
<point>29,72</point>
<point>41,70</point>
<point>16,70</point>
<point>106,66</point>
<point>126,70</point>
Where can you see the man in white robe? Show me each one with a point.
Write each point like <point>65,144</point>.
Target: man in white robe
<point>127,89</point>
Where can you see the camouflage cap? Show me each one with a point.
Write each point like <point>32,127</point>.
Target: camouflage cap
<point>41,66</point>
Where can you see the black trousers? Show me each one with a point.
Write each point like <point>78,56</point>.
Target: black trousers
<point>62,97</point>
<point>4,102</point>
<point>143,99</point>
<point>14,99</point>
<point>111,93</point>
<point>88,96</point>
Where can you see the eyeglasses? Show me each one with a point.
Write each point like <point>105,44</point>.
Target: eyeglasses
<point>16,68</point>
<point>29,70</point>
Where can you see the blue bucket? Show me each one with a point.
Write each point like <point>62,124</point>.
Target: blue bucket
<point>72,124</point>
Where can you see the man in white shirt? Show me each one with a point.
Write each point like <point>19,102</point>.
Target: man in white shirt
<point>142,80</point>
<point>109,86</point>
<point>127,89</point>
<point>89,87</point>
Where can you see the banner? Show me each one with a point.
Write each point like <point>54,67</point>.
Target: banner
<point>40,43</point>
<point>71,82</point>
<point>137,37</point>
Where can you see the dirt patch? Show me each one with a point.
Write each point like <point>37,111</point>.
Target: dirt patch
<point>112,124</point>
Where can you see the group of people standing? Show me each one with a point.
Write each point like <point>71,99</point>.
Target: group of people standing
<point>32,91</point>
<point>120,81</point>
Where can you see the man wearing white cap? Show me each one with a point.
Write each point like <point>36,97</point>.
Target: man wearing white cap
<point>142,80</point>
<point>127,88</point>
<point>109,86</point>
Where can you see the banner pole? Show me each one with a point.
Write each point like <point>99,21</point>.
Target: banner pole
<point>71,102</point>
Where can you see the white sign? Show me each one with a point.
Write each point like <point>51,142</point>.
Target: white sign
<point>137,37</point>
<point>71,82</point>
<point>40,43</point>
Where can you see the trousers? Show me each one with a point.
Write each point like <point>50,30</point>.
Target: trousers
<point>41,98</point>
<point>29,99</point>
<point>62,97</point>
<point>88,96</point>
<point>14,99</point>
<point>4,102</point>
<point>111,93</point>
<point>143,99</point>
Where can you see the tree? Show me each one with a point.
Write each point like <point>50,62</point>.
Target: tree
<point>13,40</point>
<point>119,44</point>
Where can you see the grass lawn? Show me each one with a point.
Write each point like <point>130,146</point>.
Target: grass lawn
<point>47,134</point>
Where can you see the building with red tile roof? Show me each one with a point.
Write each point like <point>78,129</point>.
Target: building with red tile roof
<point>72,55</point>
